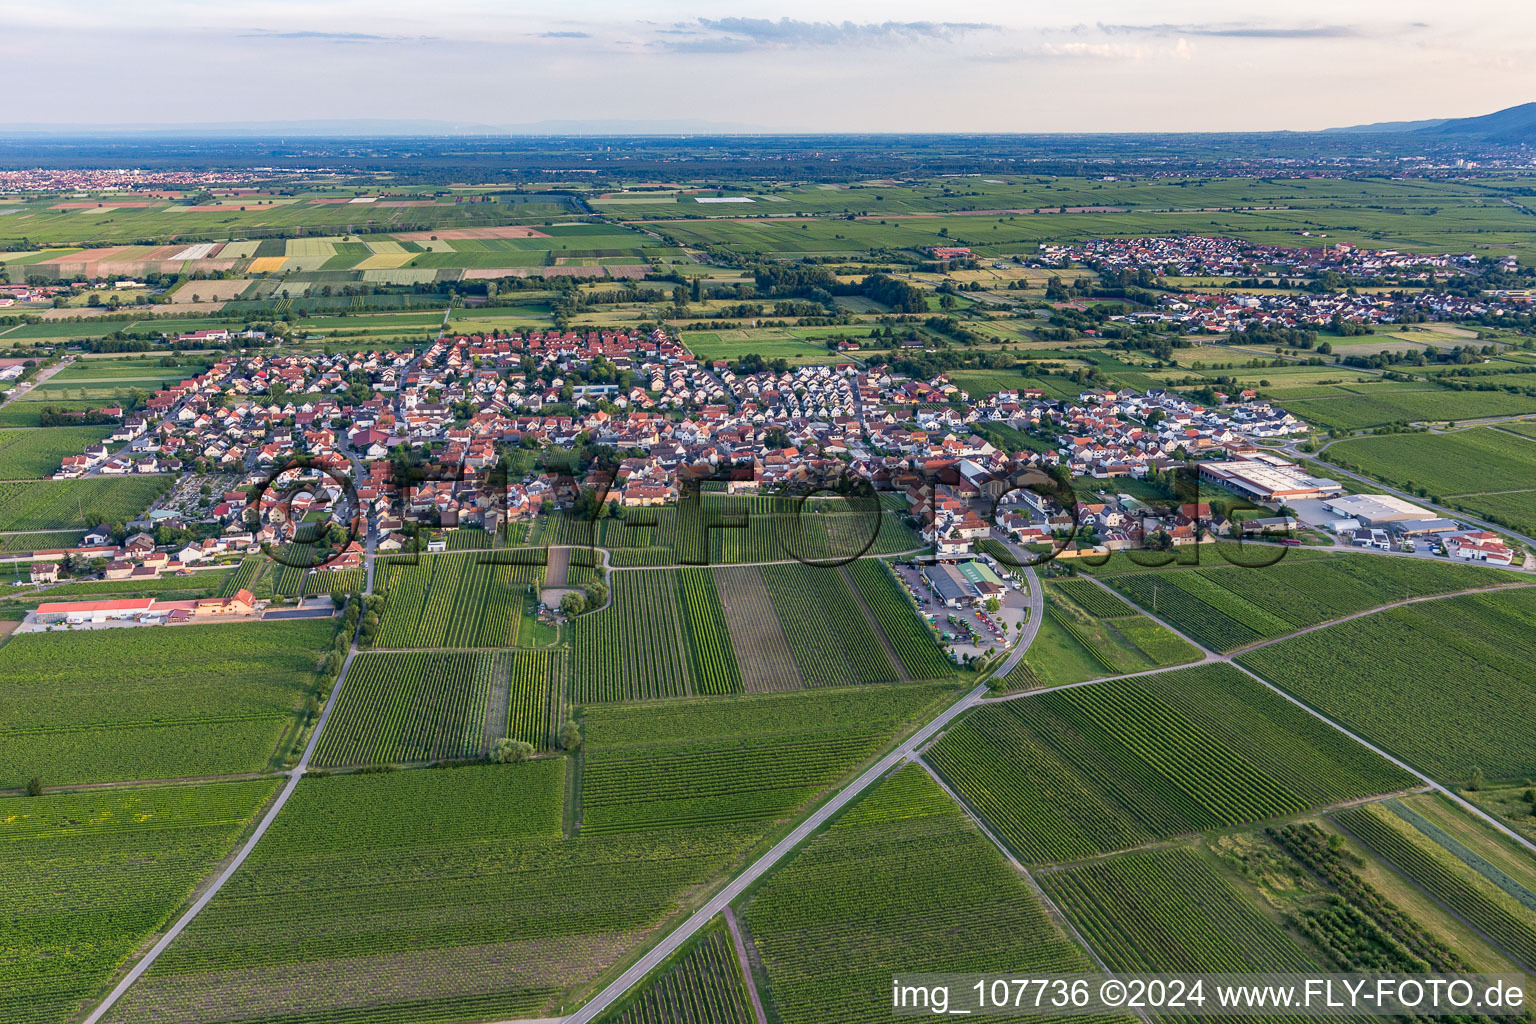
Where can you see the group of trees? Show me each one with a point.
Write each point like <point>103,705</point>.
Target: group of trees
<point>510,751</point>
<point>592,595</point>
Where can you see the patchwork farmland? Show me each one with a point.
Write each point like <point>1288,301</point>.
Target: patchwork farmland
<point>1074,772</point>
<point>560,736</point>
<point>673,632</point>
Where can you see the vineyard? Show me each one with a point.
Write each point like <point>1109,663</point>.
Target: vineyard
<point>1094,599</point>
<point>750,759</point>
<point>914,641</point>
<point>289,581</point>
<point>633,649</point>
<point>1230,607</point>
<point>245,575</point>
<point>26,543</point>
<point>1358,928</point>
<point>51,504</point>
<point>832,641</point>
<point>452,601</point>
<point>1522,888</point>
<point>1495,914</point>
<point>1443,684</point>
<point>1092,769</point>
<point>35,454</point>
<point>1123,643</point>
<point>1456,466</point>
<point>1357,406</point>
<point>535,702</point>
<point>901,879</point>
<point>732,529</point>
<point>1169,911</point>
<point>339,581</point>
<point>438,892</point>
<point>710,655</point>
<point>703,986</point>
<point>107,705</point>
<point>762,651</point>
<point>203,583</point>
<point>87,878</point>
<point>673,632</point>
<point>413,707</point>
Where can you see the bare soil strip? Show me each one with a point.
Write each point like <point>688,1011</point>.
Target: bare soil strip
<point>762,652</point>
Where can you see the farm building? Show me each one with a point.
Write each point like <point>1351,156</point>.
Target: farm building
<point>93,611</point>
<point>980,575</point>
<point>950,584</point>
<point>243,602</point>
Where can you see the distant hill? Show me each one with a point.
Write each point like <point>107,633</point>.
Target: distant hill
<point>1510,126</point>
<point>1384,127</point>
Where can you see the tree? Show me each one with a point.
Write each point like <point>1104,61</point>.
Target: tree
<point>994,605</point>
<point>35,787</point>
<point>511,751</point>
<point>573,604</point>
<point>1529,796</point>
<point>569,736</point>
<point>1475,783</point>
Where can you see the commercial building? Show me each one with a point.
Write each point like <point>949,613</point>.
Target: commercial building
<point>1268,480</point>
<point>1377,510</point>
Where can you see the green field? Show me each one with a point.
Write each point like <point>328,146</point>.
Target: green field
<point>452,601</point>
<point>446,895</point>
<point>54,504</point>
<point>703,984</point>
<point>1444,685</point>
<point>31,454</point>
<point>769,342</point>
<point>185,222</point>
<point>88,878</point>
<point>1069,773</point>
<point>730,759</point>
<point>153,702</point>
<point>1231,607</point>
<point>902,881</point>
<point>1482,470</point>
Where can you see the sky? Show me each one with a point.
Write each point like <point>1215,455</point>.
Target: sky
<point>791,65</point>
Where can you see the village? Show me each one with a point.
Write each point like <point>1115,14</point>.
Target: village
<point>460,408</point>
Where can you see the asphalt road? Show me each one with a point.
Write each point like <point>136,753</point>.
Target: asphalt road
<point>804,830</point>
<point>669,945</point>
<point>294,775</point>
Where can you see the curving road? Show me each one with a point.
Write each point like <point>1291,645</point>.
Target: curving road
<point>667,946</point>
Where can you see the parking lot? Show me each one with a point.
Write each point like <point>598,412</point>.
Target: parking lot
<point>969,629</point>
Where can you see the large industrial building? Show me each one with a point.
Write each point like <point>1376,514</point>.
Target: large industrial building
<point>1377,510</point>
<point>1269,479</point>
